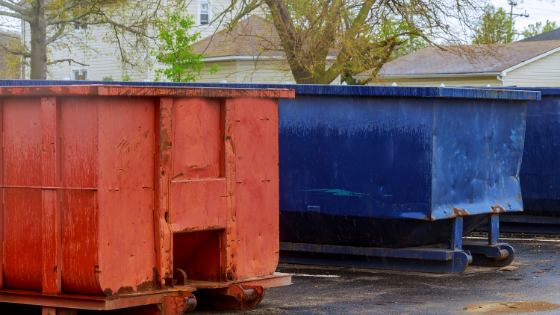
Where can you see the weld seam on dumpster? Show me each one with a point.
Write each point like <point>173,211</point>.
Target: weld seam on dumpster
<point>49,188</point>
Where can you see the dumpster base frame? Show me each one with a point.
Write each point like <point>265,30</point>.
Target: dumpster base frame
<point>103,303</point>
<point>529,224</point>
<point>453,258</point>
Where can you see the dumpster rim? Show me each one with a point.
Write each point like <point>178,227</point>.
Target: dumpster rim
<point>142,91</point>
<point>508,93</point>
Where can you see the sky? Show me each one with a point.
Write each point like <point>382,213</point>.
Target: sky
<point>539,11</point>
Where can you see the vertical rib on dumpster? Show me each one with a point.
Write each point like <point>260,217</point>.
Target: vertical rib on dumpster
<point>51,230</point>
<point>78,196</point>
<point>230,235</point>
<point>163,237</point>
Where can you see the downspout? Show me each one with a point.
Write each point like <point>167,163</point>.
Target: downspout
<point>500,79</point>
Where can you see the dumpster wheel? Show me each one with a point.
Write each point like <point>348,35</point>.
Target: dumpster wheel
<point>234,297</point>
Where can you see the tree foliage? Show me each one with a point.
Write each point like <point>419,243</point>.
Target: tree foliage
<point>494,26</point>
<point>56,25</point>
<point>324,39</point>
<point>538,28</point>
<point>175,51</point>
<point>10,65</point>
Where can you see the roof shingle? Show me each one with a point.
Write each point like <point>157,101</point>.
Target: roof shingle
<point>467,59</point>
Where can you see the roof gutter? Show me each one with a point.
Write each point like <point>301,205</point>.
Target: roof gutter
<point>251,58</point>
<point>433,75</point>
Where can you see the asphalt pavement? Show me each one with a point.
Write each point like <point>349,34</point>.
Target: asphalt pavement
<point>533,288</point>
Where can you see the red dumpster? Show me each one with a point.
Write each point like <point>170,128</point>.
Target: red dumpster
<point>117,197</point>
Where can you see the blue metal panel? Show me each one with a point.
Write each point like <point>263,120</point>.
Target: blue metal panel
<point>540,171</point>
<point>356,156</point>
<point>478,145</point>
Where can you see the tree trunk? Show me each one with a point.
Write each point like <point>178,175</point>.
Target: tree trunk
<point>38,30</point>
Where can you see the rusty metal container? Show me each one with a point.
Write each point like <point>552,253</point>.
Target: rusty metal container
<point>118,197</point>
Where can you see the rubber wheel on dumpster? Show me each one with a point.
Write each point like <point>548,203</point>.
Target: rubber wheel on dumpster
<point>234,298</point>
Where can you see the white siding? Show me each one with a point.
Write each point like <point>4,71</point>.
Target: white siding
<point>103,58</point>
<point>544,72</point>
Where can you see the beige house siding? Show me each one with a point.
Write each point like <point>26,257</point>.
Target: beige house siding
<point>228,72</point>
<point>251,71</point>
<point>247,71</point>
<point>544,72</point>
<point>448,81</point>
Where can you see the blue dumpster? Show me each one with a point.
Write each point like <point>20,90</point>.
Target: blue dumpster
<point>540,170</point>
<point>369,176</point>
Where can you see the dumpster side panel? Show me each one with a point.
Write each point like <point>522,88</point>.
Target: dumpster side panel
<point>198,193</point>
<point>478,148</point>
<point>540,171</point>
<point>356,156</point>
<point>256,149</point>
<point>78,132</point>
<point>196,129</point>
<point>126,194</point>
<point>23,205</point>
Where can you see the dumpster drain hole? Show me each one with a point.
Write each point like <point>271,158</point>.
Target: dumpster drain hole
<point>510,307</point>
<point>167,217</point>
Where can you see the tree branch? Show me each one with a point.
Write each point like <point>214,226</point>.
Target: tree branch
<point>13,7</point>
<point>15,15</point>
<point>343,56</point>
<point>14,52</point>
<point>66,60</point>
<point>57,35</point>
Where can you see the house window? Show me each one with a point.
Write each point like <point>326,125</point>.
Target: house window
<point>80,74</point>
<point>80,27</point>
<point>204,12</point>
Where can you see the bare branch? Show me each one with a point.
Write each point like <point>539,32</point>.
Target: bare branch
<point>66,60</point>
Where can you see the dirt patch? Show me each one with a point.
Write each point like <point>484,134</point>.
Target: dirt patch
<point>510,307</point>
<point>512,294</point>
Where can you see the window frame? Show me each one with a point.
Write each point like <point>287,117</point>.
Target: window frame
<point>198,19</point>
<point>80,72</point>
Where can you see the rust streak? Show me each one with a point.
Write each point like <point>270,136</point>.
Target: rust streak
<point>458,212</point>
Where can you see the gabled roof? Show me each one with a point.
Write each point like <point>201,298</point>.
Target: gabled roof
<point>470,60</point>
<point>252,38</point>
<point>550,35</point>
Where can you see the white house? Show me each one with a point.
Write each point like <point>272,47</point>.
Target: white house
<point>520,64</point>
<point>102,58</point>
